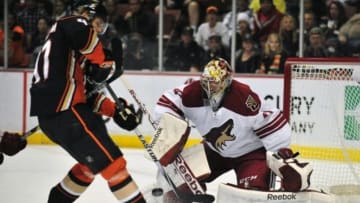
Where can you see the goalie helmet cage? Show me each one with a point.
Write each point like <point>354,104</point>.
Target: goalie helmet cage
<point>322,104</point>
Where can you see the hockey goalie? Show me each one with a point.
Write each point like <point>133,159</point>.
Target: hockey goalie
<point>240,133</point>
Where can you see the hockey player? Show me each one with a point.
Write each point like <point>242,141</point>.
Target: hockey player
<point>238,130</point>
<point>10,144</point>
<point>72,120</point>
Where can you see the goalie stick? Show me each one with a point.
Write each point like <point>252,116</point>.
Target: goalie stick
<point>188,198</point>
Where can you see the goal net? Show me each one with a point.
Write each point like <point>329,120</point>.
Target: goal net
<point>322,103</point>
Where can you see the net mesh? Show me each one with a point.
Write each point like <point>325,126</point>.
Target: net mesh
<point>325,122</point>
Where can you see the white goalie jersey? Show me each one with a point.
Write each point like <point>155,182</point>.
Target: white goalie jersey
<point>241,124</point>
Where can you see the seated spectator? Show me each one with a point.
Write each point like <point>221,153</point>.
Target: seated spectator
<point>309,23</point>
<point>210,27</point>
<point>185,56</point>
<point>273,56</point>
<point>59,10</point>
<point>289,35</point>
<point>141,21</point>
<point>316,47</point>
<point>266,21</point>
<point>334,19</point>
<point>280,5</point>
<point>243,30</point>
<point>216,48</point>
<point>242,7</point>
<point>134,57</point>
<point>17,56</point>
<point>349,33</point>
<point>248,57</point>
<point>38,38</point>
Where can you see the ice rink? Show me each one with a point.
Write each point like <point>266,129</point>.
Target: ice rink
<point>28,176</point>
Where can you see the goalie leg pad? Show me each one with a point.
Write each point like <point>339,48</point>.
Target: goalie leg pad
<point>295,176</point>
<point>170,138</point>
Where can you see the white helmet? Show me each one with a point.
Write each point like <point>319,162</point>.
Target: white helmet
<point>216,78</point>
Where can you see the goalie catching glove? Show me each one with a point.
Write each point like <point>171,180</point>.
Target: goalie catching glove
<point>295,176</point>
<point>11,143</point>
<point>127,117</point>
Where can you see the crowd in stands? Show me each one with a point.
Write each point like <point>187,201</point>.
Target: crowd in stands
<point>267,31</point>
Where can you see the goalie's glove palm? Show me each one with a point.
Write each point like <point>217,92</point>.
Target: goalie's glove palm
<point>127,117</point>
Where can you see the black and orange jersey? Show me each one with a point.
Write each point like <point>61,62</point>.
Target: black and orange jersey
<point>58,79</point>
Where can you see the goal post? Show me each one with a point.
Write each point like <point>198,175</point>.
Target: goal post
<point>322,104</point>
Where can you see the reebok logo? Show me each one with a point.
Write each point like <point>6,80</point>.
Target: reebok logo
<point>283,196</point>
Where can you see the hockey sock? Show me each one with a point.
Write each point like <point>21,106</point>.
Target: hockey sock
<point>71,187</point>
<point>126,190</point>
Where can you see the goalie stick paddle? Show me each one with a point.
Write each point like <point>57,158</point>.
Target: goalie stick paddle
<point>206,198</point>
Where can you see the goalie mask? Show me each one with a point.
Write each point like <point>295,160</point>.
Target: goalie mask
<point>215,79</point>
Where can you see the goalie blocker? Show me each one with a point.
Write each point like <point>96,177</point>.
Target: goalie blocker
<point>169,140</point>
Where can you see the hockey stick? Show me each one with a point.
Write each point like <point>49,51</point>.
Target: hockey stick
<point>188,198</point>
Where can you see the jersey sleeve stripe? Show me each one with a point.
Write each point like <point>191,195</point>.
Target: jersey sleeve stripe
<point>91,44</point>
<point>271,131</point>
<point>165,102</point>
<point>278,120</point>
<point>65,101</point>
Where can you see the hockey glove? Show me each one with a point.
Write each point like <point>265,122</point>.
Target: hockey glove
<point>295,175</point>
<point>11,143</point>
<point>99,73</point>
<point>127,117</point>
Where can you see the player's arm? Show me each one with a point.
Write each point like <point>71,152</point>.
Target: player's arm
<point>127,118</point>
<point>84,39</point>
<point>272,127</point>
<point>169,102</point>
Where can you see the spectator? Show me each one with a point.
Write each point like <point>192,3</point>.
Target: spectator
<point>38,38</point>
<point>186,55</point>
<point>141,22</point>
<point>110,7</point>
<point>17,56</point>
<point>243,30</point>
<point>134,57</point>
<point>273,56</point>
<point>242,7</point>
<point>289,35</point>
<point>28,17</point>
<point>211,27</point>
<point>216,48</point>
<point>248,57</point>
<point>279,4</point>
<point>266,20</point>
<point>316,47</point>
<point>309,23</point>
<point>59,10</point>
<point>334,20</point>
<point>317,7</point>
<point>349,35</point>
